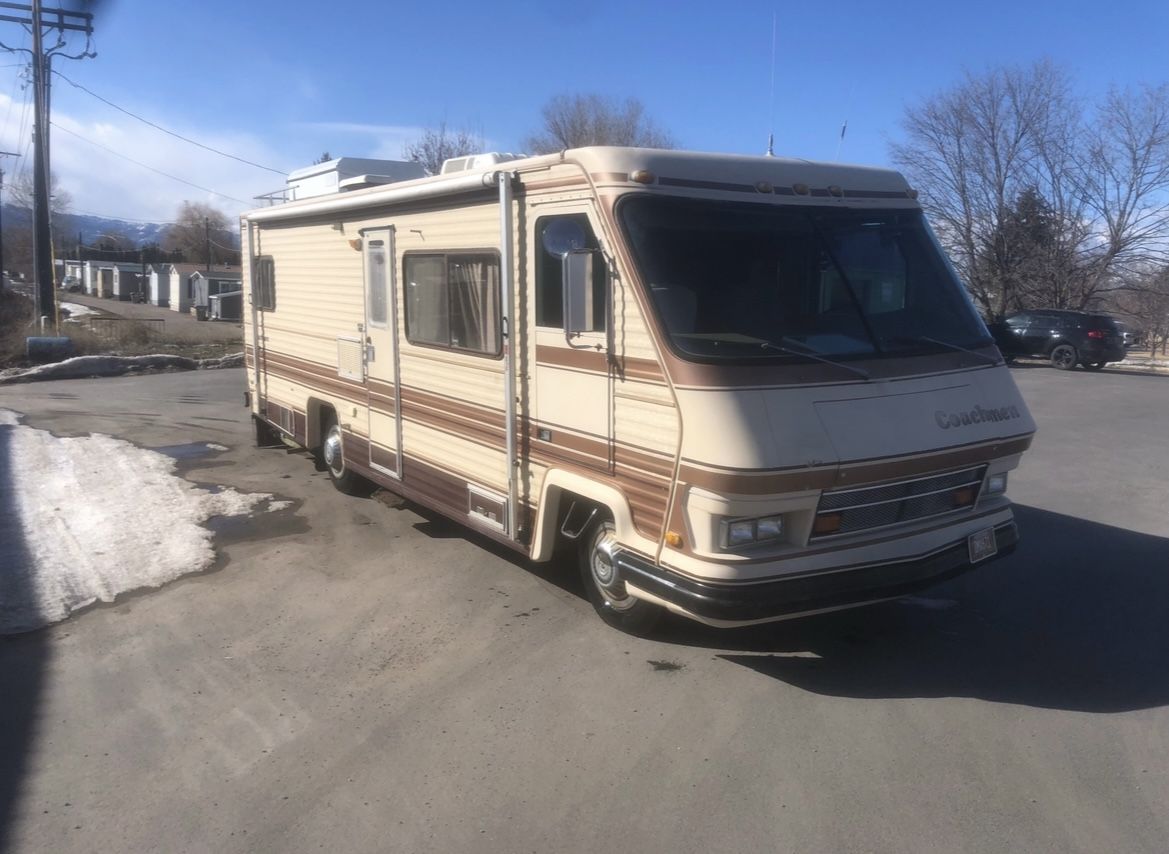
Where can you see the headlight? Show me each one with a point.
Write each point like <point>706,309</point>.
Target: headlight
<point>744,532</point>
<point>996,484</point>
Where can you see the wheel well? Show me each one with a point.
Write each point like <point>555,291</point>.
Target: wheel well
<point>558,498</point>
<point>318,414</point>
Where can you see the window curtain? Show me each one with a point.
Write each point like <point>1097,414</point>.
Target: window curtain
<point>474,296</point>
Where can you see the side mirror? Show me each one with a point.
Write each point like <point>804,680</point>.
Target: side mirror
<point>577,266</point>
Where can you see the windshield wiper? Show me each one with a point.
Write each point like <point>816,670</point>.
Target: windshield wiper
<point>848,288</point>
<point>922,339</point>
<point>795,348</point>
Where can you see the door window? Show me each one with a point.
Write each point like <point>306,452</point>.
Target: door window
<point>378,274</point>
<point>556,235</point>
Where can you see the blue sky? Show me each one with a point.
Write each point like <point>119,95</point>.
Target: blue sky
<point>280,82</point>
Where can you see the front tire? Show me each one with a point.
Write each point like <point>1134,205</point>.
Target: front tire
<point>1063,357</point>
<point>604,586</point>
<point>333,457</point>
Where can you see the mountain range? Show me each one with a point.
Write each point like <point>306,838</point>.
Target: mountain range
<point>91,227</point>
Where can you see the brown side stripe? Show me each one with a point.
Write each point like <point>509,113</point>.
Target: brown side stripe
<point>595,362</point>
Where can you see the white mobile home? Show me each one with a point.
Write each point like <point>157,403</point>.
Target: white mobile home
<point>160,276</point>
<point>205,285</point>
<point>99,279</point>
<point>323,178</point>
<point>743,388</point>
<point>130,282</point>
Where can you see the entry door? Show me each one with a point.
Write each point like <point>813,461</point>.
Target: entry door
<point>573,383</point>
<point>381,352</point>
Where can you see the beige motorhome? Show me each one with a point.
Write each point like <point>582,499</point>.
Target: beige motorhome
<point>743,388</point>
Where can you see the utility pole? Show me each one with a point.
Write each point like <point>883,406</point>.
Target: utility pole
<point>40,20</point>
<point>3,154</point>
<point>207,233</point>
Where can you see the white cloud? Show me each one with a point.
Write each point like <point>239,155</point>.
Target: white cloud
<point>100,182</point>
<point>381,142</point>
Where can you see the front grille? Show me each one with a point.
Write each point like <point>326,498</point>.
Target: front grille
<point>887,504</point>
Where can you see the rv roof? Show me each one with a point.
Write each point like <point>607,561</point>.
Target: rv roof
<point>684,171</point>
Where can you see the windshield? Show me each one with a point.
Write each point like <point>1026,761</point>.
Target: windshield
<point>748,281</point>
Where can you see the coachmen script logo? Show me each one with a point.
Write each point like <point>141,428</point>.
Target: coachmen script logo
<point>977,415</point>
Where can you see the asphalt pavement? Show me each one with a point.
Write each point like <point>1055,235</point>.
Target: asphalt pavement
<point>358,676</point>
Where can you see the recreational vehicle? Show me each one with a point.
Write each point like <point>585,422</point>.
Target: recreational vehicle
<point>740,388</point>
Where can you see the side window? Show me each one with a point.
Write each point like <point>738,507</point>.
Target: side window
<point>452,301</point>
<point>264,283</point>
<point>556,235</point>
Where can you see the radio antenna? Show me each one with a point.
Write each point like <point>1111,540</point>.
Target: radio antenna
<point>844,127</point>
<point>771,131</point>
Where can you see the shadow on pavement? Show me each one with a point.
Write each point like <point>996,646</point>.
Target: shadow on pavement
<point>23,658</point>
<point>1077,618</point>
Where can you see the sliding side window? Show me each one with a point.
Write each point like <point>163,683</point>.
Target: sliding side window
<point>264,283</point>
<point>452,301</point>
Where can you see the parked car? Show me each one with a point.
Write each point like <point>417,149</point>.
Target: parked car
<point>1132,337</point>
<point>71,284</point>
<point>1067,338</point>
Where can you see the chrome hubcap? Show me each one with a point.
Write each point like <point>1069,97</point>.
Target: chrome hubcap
<point>332,452</point>
<point>605,573</point>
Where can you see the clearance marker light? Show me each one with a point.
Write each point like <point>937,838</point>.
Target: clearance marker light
<point>673,539</point>
<point>642,176</point>
<point>800,189</point>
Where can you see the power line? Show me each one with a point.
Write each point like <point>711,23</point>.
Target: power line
<point>164,130</point>
<point>221,246</point>
<point>151,168</point>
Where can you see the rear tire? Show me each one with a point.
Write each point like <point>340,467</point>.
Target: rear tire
<point>1063,357</point>
<point>604,586</point>
<point>332,454</point>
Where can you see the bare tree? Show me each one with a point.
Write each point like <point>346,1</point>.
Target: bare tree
<point>18,242</point>
<point>972,151</point>
<point>200,229</point>
<point>1145,297</point>
<point>1125,181</point>
<point>1013,140</point>
<point>439,144</point>
<point>115,240</point>
<point>572,121</point>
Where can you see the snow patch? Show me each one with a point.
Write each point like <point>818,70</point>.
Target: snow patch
<point>81,367</point>
<point>77,310</point>
<point>85,519</point>
<point>212,446</point>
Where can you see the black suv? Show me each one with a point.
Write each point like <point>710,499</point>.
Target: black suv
<point>1067,338</point>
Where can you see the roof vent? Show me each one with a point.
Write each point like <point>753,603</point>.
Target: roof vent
<point>360,182</point>
<point>477,161</point>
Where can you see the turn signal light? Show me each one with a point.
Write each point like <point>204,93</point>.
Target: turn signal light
<point>964,497</point>
<point>673,539</point>
<point>826,523</point>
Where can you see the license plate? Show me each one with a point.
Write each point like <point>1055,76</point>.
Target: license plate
<point>981,545</point>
